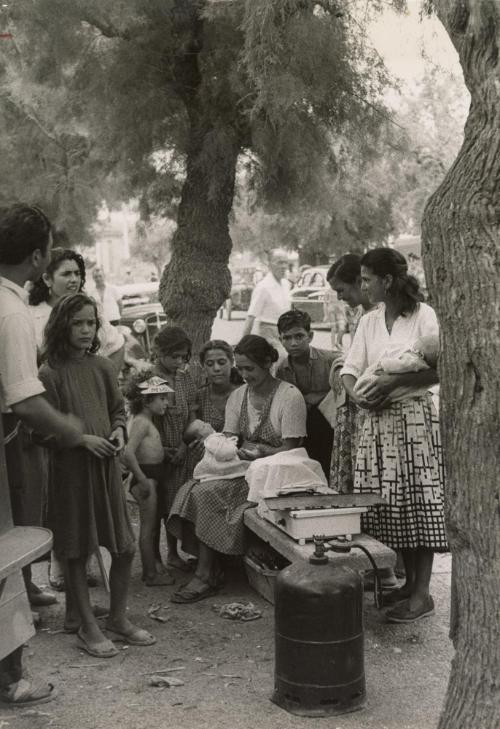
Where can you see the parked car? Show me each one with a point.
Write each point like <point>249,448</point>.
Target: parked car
<point>134,294</point>
<point>142,322</point>
<point>314,295</point>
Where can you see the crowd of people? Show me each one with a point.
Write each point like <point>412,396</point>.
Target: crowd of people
<point>364,412</point>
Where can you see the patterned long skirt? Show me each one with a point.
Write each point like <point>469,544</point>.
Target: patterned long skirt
<point>214,511</point>
<point>400,457</point>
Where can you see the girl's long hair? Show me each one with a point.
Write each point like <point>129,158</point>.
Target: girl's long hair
<point>405,288</point>
<point>347,268</point>
<point>235,378</point>
<point>40,291</point>
<point>56,347</point>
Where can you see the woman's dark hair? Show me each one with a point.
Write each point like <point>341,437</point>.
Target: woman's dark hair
<point>257,349</point>
<point>235,378</point>
<point>56,347</point>
<point>40,291</point>
<point>169,340</point>
<point>23,230</point>
<point>135,397</point>
<point>405,289</point>
<point>347,268</point>
<point>216,344</point>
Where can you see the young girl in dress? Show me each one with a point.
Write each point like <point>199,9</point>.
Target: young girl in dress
<point>144,456</point>
<point>172,352</point>
<point>87,506</point>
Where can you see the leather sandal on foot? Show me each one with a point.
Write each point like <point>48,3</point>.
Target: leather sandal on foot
<point>188,595</point>
<point>24,694</point>
<point>136,636</point>
<point>403,613</point>
<point>102,649</point>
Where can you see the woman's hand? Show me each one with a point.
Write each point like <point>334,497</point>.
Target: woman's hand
<point>100,447</point>
<point>118,439</point>
<point>179,455</point>
<point>250,451</point>
<point>197,448</point>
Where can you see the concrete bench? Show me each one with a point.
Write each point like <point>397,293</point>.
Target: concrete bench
<point>293,551</point>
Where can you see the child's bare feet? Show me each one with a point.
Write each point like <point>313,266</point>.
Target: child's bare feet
<point>127,632</point>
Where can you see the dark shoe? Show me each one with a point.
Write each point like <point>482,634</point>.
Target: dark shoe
<point>403,613</point>
<point>187,595</point>
<point>42,598</point>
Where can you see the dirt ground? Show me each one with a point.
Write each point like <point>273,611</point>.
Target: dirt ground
<point>227,667</point>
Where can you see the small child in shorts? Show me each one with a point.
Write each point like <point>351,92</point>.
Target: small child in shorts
<point>144,456</point>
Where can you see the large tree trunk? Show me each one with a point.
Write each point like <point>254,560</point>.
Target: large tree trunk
<point>197,281</point>
<point>461,240</point>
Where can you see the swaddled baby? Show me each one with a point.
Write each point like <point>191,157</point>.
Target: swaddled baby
<point>422,355</point>
<point>220,460</point>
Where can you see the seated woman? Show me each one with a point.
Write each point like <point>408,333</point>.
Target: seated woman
<point>269,416</point>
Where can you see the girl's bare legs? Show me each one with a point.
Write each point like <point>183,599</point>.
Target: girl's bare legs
<point>173,559</point>
<point>119,580</point>
<point>79,602</point>
<point>206,569</point>
<point>423,571</point>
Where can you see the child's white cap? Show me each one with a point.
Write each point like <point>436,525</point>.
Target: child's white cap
<point>154,386</point>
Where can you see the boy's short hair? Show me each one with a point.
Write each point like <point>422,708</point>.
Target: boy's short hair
<point>23,230</point>
<point>294,318</point>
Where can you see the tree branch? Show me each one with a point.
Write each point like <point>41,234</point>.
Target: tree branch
<point>106,28</point>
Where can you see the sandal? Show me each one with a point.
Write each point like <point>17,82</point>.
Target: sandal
<point>181,565</point>
<point>403,613</point>
<point>41,598</point>
<point>57,584</point>
<point>23,693</point>
<point>187,595</point>
<point>396,596</point>
<point>135,636</point>
<point>102,649</point>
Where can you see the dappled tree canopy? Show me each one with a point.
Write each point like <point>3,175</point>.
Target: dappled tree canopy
<point>286,83</point>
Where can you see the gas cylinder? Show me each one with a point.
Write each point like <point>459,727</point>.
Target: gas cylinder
<point>319,642</point>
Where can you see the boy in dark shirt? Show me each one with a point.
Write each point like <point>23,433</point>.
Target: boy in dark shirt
<point>308,368</point>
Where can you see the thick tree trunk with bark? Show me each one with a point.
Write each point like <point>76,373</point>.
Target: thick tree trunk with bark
<point>197,281</point>
<point>461,238</point>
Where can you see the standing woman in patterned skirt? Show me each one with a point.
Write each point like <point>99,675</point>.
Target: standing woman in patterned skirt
<point>399,453</point>
<point>344,278</point>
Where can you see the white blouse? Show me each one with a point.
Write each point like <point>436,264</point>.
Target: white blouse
<point>287,415</point>
<point>372,339</point>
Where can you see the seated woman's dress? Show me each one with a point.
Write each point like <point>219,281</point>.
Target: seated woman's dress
<point>216,508</point>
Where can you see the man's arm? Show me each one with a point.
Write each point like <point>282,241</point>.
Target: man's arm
<point>42,417</point>
<point>248,326</point>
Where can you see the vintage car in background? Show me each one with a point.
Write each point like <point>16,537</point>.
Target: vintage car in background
<point>134,294</point>
<point>314,295</point>
<point>139,324</point>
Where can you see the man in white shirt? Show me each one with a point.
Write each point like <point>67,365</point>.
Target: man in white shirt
<point>25,245</point>
<point>107,296</point>
<point>270,299</point>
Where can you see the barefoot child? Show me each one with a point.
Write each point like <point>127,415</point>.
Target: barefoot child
<point>144,456</point>
<point>87,506</point>
<point>172,350</point>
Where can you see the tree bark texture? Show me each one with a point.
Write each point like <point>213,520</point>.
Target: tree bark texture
<point>461,245</point>
<point>197,280</point>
